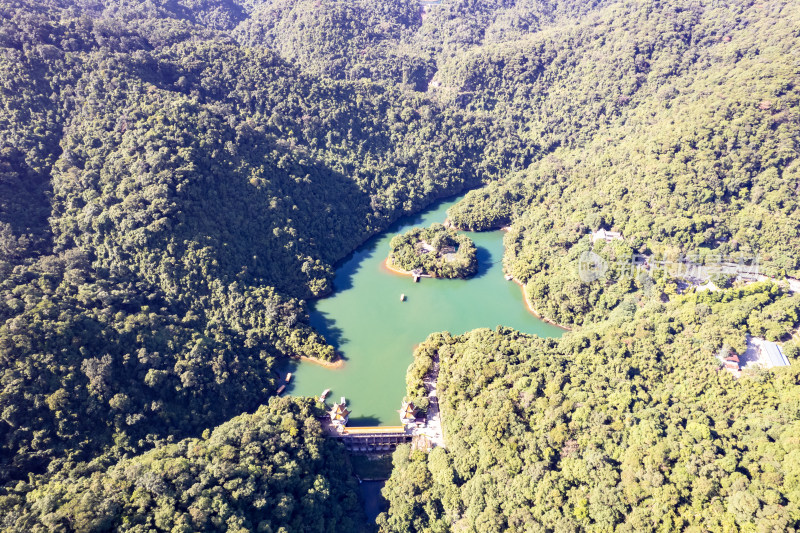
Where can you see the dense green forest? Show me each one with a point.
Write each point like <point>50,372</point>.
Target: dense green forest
<point>439,251</point>
<point>689,147</point>
<point>179,177</point>
<point>628,426</point>
<point>269,471</point>
<point>169,199</point>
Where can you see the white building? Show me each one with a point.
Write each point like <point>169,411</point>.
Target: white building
<point>607,236</point>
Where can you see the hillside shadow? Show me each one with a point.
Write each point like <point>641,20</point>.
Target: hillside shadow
<point>351,264</point>
<point>347,269</point>
<point>24,201</point>
<point>325,324</point>
<point>283,366</point>
<point>485,262</point>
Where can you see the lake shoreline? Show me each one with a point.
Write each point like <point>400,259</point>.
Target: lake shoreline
<point>387,266</point>
<point>337,364</point>
<point>399,271</point>
<point>375,334</point>
<point>533,311</point>
<point>528,304</point>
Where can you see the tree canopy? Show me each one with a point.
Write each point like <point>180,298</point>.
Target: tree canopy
<point>438,251</point>
<point>179,177</point>
<point>628,425</point>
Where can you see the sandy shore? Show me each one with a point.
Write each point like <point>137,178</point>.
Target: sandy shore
<point>334,365</point>
<point>387,264</point>
<point>533,311</point>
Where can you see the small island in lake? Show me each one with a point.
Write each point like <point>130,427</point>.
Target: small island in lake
<point>436,251</point>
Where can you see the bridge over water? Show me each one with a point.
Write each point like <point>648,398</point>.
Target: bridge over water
<point>375,439</point>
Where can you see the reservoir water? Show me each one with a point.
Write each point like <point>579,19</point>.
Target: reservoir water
<point>375,332</point>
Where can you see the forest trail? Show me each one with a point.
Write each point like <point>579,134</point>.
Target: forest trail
<point>433,421</point>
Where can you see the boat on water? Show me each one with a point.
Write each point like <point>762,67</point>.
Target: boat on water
<point>324,395</point>
<point>402,297</point>
<point>281,389</point>
<point>288,377</point>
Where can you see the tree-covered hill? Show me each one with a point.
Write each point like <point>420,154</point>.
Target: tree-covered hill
<point>92,361</point>
<point>693,153</point>
<point>344,40</point>
<point>393,41</point>
<point>437,251</point>
<point>178,176</point>
<point>382,152</point>
<point>169,197</point>
<point>272,470</point>
<point>627,426</point>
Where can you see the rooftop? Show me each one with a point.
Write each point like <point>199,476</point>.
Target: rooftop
<point>608,236</point>
<point>772,355</point>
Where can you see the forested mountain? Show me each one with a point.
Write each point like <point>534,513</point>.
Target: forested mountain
<point>689,147</point>
<point>169,199</point>
<point>344,40</point>
<point>177,177</point>
<point>628,426</point>
<point>269,471</point>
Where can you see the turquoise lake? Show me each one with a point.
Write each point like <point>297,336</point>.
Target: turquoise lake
<point>375,332</point>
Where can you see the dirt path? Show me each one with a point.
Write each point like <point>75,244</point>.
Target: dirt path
<point>433,421</point>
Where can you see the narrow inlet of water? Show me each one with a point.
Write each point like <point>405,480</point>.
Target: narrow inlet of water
<point>375,332</point>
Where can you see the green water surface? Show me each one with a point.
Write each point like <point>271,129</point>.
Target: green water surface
<point>376,333</point>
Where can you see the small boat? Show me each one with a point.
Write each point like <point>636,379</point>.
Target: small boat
<point>281,389</point>
<point>324,395</point>
<point>509,277</point>
<point>402,297</point>
<point>288,377</point>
